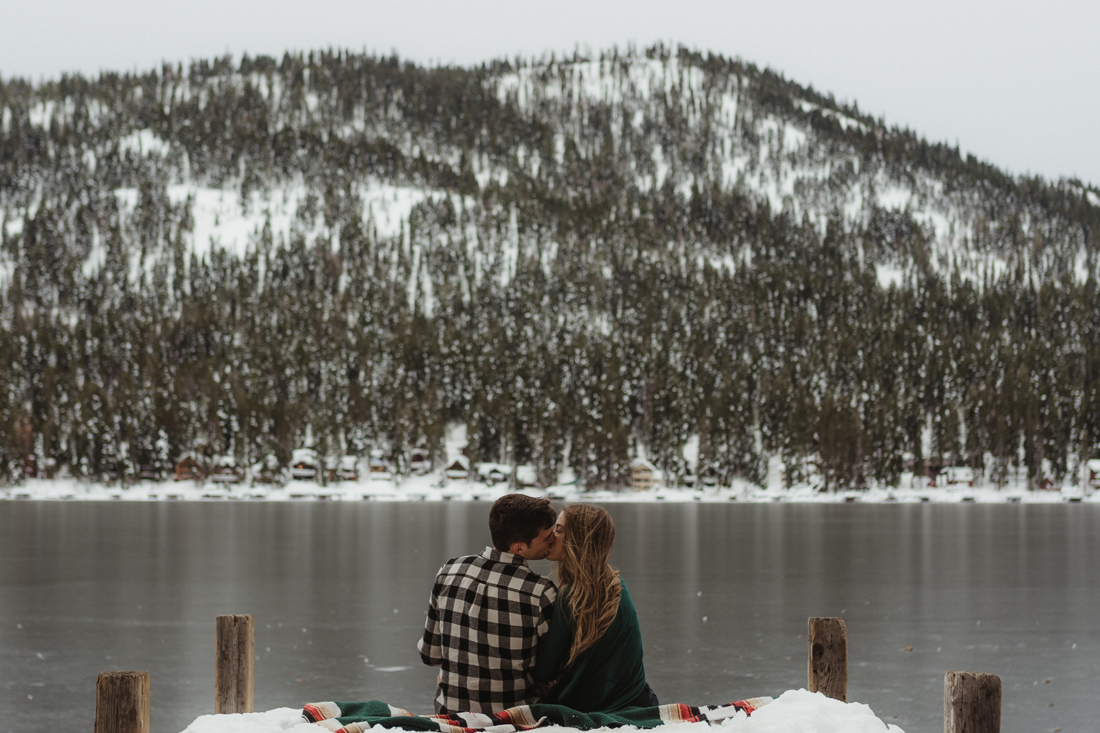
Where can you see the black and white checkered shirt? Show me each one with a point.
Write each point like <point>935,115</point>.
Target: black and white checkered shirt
<point>485,618</point>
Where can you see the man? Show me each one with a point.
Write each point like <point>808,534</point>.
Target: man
<point>488,611</point>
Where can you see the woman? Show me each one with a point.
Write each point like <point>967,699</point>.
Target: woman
<point>593,650</point>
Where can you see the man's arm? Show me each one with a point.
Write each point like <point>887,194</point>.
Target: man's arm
<point>554,647</point>
<point>430,645</point>
<point>546,609</point>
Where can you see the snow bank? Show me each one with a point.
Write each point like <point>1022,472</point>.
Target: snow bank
<point>434,487</point>
<point>795,711</point>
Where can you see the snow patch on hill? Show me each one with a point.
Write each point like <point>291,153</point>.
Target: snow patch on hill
<point>143,142</point>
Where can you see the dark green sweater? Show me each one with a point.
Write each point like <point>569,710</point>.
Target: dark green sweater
<point>608,675</point>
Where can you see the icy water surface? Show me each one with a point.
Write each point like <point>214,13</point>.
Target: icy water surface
<point>723,593</point>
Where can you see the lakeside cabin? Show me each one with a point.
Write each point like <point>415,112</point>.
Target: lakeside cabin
<point>458,470</point>
<point>348,469</point>
<point>644,475</point>
<point>494,473</point>
<point>1094,473</point>
<point>378,467</point>
<point>958,476</point>
<point>344,468</point>
<point>226,470</point>
<point>303,464</point>
<point>189,467</point>
<point>146,472</point>
<point>420,460</point>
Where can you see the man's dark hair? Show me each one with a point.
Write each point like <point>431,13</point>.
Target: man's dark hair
<point>519,518</point>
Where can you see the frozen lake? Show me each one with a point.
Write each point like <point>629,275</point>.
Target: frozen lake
<point>723,592</point>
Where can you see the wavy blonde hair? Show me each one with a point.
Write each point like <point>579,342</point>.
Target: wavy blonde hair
<point>594,586</point>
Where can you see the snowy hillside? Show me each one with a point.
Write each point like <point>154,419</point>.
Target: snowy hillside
<point>667,120</point>
<point>583,260</point>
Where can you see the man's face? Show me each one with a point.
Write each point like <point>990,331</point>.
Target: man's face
<point>537,548</point>
<point>557,546</point>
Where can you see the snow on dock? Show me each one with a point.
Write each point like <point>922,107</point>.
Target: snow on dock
<point>795,711</point>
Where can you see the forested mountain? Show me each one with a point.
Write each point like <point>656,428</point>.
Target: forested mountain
<point>578,258</point>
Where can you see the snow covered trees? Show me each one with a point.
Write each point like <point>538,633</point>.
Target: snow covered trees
<point>579,260</point>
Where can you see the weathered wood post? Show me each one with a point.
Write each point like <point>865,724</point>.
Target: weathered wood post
<point>122,702</point>
<point>234,664</point>
<point>971,703</point>
<point>827,664</point>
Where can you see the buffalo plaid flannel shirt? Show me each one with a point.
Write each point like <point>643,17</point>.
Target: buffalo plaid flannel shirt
<point>485,618</point>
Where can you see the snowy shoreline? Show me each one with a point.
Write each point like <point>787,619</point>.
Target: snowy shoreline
<point>433,488</point>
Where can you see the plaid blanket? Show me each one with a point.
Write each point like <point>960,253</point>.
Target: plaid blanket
<point>358,717</point>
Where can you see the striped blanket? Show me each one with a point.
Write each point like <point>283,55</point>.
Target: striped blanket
<point>358,717</point>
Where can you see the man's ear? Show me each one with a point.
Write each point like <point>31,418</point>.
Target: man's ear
<point>517,548</point>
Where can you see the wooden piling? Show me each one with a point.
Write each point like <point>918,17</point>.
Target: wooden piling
<point>827,664</point>
<point>122,702</point>
<point>234,664</point>
<point>971,703</point>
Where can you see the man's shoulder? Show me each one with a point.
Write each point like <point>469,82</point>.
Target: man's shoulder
<point>496,568</point>
<point>468,564</point>
<point>457,563</point>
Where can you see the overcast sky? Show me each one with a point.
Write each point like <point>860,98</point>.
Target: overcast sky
<point>1015,82</point>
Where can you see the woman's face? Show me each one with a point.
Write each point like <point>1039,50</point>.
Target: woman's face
<point>559,539</point>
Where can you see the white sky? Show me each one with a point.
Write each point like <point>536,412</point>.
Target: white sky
<point>1015,82</point>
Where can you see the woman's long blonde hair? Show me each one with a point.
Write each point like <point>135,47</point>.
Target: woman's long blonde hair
<point>594,586</point>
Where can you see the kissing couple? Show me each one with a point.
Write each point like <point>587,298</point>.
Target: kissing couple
<point>505,636</point>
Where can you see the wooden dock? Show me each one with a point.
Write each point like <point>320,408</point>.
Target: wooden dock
<point>971,700</point>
